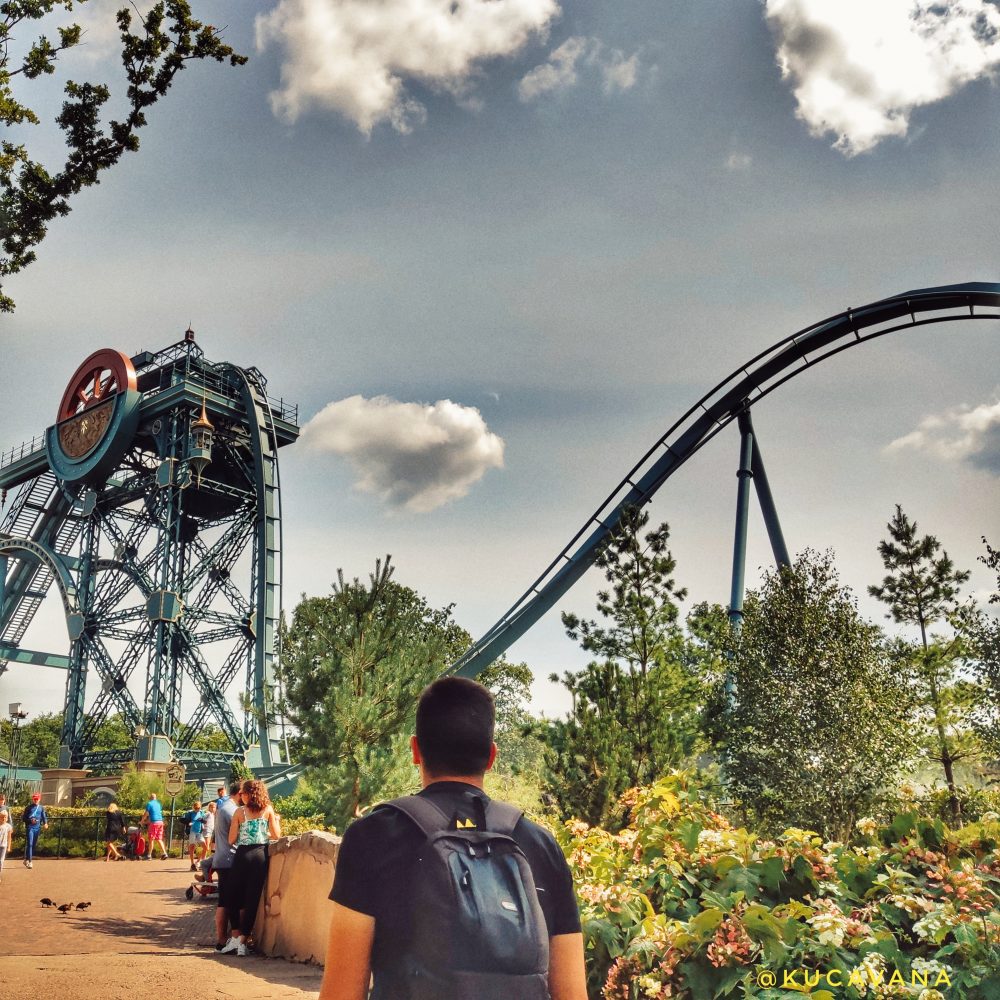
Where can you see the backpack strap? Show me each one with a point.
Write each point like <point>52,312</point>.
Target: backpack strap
<point>429,817</point>
<point>502,817</point>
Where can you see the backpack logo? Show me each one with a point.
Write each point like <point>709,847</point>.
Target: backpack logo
<point>466,825</point>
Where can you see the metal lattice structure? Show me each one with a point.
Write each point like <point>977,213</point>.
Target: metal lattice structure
<point>153,505</point>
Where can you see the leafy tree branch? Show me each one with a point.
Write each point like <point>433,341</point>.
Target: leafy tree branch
<point>166,39</point>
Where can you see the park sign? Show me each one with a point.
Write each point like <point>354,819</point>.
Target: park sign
<point>175,779</point>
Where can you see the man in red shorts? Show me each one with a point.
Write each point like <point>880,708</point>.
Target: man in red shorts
<point>154,815</point>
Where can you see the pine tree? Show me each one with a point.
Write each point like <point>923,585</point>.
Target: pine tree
<point>922,588</point>
<point>353,665</point>
<point>634,711</point>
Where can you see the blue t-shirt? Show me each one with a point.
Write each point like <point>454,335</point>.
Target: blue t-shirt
<point>155,811</point>
<point>197,820</point>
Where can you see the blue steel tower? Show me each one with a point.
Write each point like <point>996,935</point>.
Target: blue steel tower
<point>153,506</point>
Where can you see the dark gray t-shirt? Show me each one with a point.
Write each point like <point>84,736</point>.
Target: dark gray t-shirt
<point>224,851</point>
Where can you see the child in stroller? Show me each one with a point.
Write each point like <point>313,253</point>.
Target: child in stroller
<point>135,844</point>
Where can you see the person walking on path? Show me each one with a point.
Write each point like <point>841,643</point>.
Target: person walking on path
<point>415,932</point>
<point>208,831</point>
<point>227,910</point>
<point>253,825</point>
<point>154,815</point>
<point>114,830</point>
<point>6,835</point>
<point>195,817</point>
<point>35,820</point>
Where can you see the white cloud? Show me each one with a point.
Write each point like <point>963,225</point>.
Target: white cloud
<point>968,434</point>
<point>858,68</point>
<point>739,161</point>
<point>356,57</point>
<point>559,71</point>
<point>618,72</point>
<point>412,455</point>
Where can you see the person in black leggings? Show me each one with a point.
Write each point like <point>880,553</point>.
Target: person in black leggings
<point>254,824</point>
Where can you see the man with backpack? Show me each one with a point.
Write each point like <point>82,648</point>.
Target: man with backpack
<point>447,895</point>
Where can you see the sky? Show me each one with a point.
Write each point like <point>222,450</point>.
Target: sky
<point>494,248</point>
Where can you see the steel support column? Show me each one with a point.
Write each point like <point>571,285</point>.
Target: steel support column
<point>764,497</point>
<point>744,475</point>
<point>71,738</point>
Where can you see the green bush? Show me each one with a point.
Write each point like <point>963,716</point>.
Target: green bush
<point>974,802</point>
<point>295,825</point>
<point>680,904</point>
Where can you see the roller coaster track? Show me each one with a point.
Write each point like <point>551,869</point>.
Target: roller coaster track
<point>733,396</point>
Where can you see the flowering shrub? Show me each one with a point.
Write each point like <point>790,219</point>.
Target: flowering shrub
<point>680,904</point>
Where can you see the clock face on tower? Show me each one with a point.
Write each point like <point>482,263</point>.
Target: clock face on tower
<point>97,418</point>
<point>82,433</point>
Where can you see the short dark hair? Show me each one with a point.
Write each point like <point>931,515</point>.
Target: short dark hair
<point>455,721</point>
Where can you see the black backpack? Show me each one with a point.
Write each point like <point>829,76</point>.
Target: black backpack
<point>478,929</point>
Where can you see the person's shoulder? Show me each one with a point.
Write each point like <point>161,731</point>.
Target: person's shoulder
<point>375,828</point>
<point>541,837</point>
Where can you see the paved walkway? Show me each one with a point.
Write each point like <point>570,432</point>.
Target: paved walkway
<point>140,937</point>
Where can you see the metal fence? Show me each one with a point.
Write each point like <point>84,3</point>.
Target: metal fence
<point>83,836</point>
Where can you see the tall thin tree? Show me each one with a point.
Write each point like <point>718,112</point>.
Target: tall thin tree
<point>922,587</point>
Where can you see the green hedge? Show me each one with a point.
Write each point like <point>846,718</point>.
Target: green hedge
<point>79,832</point>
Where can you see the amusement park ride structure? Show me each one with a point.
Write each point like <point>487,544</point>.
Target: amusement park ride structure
<point>153,504</point>
<point>730,400</point>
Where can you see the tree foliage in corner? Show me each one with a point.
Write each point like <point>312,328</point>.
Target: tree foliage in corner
<point>168,37</point>
<point>817,730</point>
<point>921,588</point>
<point>634,713</point>
<point>985,657</point>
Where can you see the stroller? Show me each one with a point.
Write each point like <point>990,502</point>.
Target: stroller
<point>135,844</point>
<point>204,885</point>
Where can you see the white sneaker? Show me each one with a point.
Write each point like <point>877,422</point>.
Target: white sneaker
<point>230,946</point>
<point>28,863</point>
<point>241,951</point>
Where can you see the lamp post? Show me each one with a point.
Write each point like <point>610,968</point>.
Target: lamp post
<point>17,716</point>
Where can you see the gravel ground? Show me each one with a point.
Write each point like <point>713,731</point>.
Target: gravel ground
<point>139,938</point>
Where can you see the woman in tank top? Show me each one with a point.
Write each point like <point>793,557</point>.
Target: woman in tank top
<point>254,823</point>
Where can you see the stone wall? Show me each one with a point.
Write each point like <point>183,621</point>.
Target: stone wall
<point>294,917</point>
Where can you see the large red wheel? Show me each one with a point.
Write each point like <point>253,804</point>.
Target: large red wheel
<point>101,376</point>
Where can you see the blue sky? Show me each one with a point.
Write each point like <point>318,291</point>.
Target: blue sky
<point>574,219</point>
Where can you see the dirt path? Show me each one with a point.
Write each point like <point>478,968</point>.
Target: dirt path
<point>139,938</point>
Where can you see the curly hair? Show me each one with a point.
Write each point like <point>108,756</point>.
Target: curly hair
<point>256,794</point>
